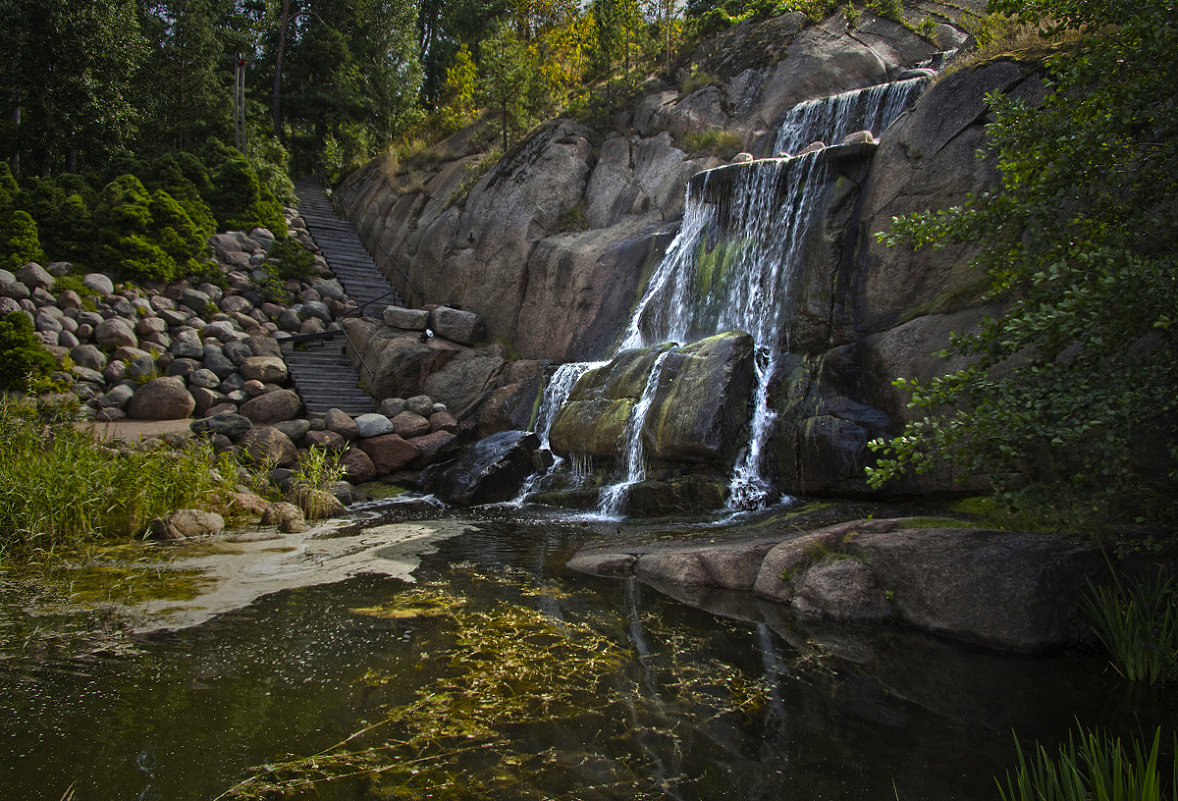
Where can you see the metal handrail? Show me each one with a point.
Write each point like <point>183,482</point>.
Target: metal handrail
<point>420,299</point>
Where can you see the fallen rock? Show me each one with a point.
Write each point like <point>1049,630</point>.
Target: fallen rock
<point>389,453</point>
<point>490,471</point>
<point>185,524</point>
<point>265,445</point>
<point>281,404</point>
<point>286,516</point>
<point>163,398</point>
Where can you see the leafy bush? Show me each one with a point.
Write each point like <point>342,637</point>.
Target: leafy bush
<point>21,353</point>
<point>145,237</point>
<point>20,243</point>
<point>1070,389</point>
<point>294,260</point>
<point>240,202</point>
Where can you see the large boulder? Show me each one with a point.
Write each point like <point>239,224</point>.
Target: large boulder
<point>490,471</point>
<point>163,398</point>
<point>698,408</point>
<point>389,453</point>
<point>463,327</point>
<point>227,424</point>
<point>115,333</point>
<point>281,404</point>
<point>266,445</point>
<point>184,524</point>
<point>267,369</point>
<point>701,402</point>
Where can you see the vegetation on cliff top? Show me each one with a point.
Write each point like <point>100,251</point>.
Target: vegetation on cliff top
<point>1070,392</point>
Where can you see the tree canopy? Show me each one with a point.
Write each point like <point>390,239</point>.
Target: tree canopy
<point>1071,389</point>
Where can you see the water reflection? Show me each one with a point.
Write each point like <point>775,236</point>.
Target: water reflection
<point>738,702</point>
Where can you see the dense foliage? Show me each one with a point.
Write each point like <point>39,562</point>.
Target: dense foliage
<point>328,84</point>
<point>1070,393</point>
<point>141,220</point>
<point>21,354</point>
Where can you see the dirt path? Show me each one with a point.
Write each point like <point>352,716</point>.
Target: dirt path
<point>137,429</point>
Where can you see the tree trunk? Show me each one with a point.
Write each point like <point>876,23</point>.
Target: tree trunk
<point>276,97</point>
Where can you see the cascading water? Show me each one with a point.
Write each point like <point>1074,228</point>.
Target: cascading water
<point>730,269</point>
<point>556,392</point>
<point>733,263</point>
<point>829,119</point>
<point>613,497</point>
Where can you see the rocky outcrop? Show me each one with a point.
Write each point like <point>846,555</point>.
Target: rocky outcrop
<point>1008,590</point>
<point>548,247</point>
<point>490,471</point>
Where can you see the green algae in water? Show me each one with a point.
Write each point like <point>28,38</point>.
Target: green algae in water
<point>508,687</point>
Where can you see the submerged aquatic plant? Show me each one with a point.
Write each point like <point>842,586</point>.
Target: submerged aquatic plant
<point>1092,766</point>
<point>492,723</point>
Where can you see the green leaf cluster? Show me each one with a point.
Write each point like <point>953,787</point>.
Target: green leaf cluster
<point>1072,385</point>
<point>21,353</point>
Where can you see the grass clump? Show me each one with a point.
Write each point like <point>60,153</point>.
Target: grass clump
<point>63,488</point>
<point>1137,622</point>
<point>1092,766</point>
<point>722,144</point>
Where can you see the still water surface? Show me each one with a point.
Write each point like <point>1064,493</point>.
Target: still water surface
<point>500,674</point>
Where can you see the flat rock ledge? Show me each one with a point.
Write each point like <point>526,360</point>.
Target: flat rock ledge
<point>1012,591</point>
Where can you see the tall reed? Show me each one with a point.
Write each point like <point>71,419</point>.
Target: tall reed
<point>1093,766</point>
<point>60,486</point>
<point>1137,622</point>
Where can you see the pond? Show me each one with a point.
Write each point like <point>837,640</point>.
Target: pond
<point>473,664</point>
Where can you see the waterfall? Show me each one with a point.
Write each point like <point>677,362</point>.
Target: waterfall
<point>829,119</point>
<point>730,269</point>
<point>613,497</point>
<point>556,392</point>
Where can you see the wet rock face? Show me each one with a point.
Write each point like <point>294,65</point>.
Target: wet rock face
<point>1007,590</point>
<point>490,471</point>
<point>698,408</point>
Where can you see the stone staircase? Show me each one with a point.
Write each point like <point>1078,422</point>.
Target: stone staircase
<point>347,257</point>
<point>323,374</point>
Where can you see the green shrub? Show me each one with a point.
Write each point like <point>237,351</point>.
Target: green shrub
<point>21,354</point>
<point>240,202</point>
<point>712,22</point>
<point>1093,767</point>
<point>20,243</point>
<point>890,9</point>
<point>69,232</point>
<point>723,144</point>
<point>293,260</point>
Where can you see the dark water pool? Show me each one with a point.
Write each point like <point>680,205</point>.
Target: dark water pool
<point>502,675</point>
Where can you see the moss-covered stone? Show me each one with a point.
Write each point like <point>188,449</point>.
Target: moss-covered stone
<point>592,427</point>
<point>700,406</point>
